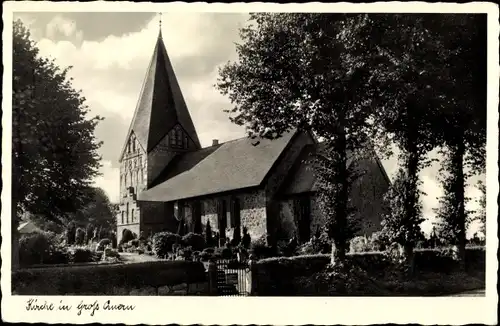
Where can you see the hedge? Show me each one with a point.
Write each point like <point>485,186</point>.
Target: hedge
<point>276,276</point>
<point>102,279</point>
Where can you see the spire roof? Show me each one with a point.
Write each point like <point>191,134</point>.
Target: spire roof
<point>161,104</point>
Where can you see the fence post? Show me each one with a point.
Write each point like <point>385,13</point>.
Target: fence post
<point>212,277</point>
<point>252,275</point>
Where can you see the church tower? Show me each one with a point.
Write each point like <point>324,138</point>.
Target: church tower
<point>161,128</point>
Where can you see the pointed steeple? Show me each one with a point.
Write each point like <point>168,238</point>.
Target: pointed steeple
<point>159,33</point>
<point>161,105</point>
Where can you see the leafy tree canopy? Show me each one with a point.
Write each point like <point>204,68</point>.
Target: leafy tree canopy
<point>54,155</point>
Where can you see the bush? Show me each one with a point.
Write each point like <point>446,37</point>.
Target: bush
<point>315,245</point>
<point>109,252</point>
<point>163,242</point>
<point>209,250</point>
<point>360,244</point>
<point>102,244</point>
<point>209,239</point>
<point>134,243</point>
<point>263,251</point>
<point>58,255</point>
<point>127,235</point>
<point>70,233</point>
<point>80,236</point>
<point>236,237</point>
<point>34,248</point>
<point>246,240</point>
<point>82,255</point>
<point>196,241</point>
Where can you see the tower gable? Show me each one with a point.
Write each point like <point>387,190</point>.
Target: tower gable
<point>161,105</point>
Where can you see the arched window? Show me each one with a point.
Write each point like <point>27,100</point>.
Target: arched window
<point>123,217</point>
<point>133,145</point>
<point>133,216</point>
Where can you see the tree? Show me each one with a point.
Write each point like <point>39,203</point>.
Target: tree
<point>307,72</point>
<point>481,213</point>
<point>208,235</point>
<point>408,104</point>
<point>463,118</point>
<point>54,151</point>
<point>97,212</point>
<point>397,225</point>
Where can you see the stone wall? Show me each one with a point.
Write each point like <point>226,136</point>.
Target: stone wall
<point>200,288</point>
<point>252,212</point>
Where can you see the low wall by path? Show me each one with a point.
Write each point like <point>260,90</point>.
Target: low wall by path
<point>150,278</point>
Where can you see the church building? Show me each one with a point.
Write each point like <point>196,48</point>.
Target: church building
<point>266,186</point>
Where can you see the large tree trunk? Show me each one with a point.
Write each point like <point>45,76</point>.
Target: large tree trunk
<point>457,167</point>
<point>412,168</point>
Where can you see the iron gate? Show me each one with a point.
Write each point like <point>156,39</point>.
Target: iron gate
<point>233,278</point>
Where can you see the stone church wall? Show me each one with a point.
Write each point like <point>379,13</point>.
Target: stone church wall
<point>252,213</point>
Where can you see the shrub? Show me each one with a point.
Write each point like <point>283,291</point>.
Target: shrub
<point>80,236</point>
<point>134,243</point>
<point>58,255</point>
<point>246,240</point>
<point>196,241</point>
<point>127,235</point>
<point>360,244</point>
<point>263,251</point>
<point>70,233</point>
<point>321,245</point>
<point>34,248</point>
<point>111,253</point>
<point>236,237</point>
<point>209,250</point>
<point>205,256</point>
<point>163,242</point>
<point>82,255</point>
<point>209,239</point>
<point>102,244</point>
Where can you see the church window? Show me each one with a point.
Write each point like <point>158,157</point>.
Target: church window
<point>123,217</point>
<point>185,142</point>
<point>133,216</point>
<point>176,138</point>
<point>127,213</point>
<point>235,213</point>
<point>196,215</point>
<point>222,216</point>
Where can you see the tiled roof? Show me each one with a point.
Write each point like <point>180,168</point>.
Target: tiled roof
<point>161,104</point>
<point>237,164</point>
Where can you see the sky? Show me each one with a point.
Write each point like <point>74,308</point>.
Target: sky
<point>110,52</point>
